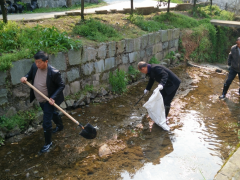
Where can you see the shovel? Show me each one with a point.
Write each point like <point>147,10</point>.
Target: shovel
<point>139,100</point>
<point>88,131</point>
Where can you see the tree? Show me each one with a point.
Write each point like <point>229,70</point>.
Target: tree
<point>82,10</point>
<point>4,10</point>
<point>131,7</point>
<point>168,8</point>
<point>194,6</point>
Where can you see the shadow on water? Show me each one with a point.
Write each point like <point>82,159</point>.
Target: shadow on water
<point>203,133</point>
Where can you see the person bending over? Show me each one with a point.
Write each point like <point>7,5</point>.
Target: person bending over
<point>168,82</point>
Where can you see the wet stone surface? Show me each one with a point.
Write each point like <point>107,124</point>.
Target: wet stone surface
<point>129,146</point>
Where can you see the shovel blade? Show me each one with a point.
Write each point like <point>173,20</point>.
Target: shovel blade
<point>89,132</point>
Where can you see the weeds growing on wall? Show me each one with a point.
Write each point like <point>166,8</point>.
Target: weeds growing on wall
<point>21,119</point>
<point>18,43</point>
<point>213,43</point>
<point>133,71</point>
<point>118,81</point>
<point>154,60</point>
<point>97,31</point>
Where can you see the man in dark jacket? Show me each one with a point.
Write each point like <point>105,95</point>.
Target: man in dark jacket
<point>168,82</point>
<point>234,67</point>
<point>47,80</point>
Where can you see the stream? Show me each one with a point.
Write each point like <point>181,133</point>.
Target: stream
<point>204,132</point>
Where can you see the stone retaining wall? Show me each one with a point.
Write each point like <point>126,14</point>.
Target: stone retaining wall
<point>88,65</point>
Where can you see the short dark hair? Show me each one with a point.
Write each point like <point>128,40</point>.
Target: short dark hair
<point>41,55</point>
<point>142,64</point>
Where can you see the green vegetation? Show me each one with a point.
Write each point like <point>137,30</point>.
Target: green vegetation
<point>154,60</point>
<point>118,81</point>
<point>173,20</point>
<point>97,31</point>
<point>214,12</point>
<point>170,55</point>
<point>177,1</point>
<point>18,43</point>
<point>146,25</point>
<point>21,119</point>
<point>132,71</point>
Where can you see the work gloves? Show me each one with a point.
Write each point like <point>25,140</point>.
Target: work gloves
<point>146,91</point>
<point>159,88</point>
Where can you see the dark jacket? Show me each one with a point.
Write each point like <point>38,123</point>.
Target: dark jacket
<point>234,58</point>
<point>163,76</point>
<point>54,83</point>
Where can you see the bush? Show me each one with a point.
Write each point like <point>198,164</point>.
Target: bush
<point>18,43</point>
<point>170,55</point>
<point>215,12</point>
<point>118,81</point>
<point>154,60</point>
<point>21,119</point>
<point>133,71</point>
<point>97,31</point>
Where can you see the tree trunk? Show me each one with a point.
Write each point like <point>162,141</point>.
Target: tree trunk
<point>82,10</point>
<point>4,11</point>
<point>168,8</point>
<point>194,6</point>
<point>69,3</point>
<point>132,7</point>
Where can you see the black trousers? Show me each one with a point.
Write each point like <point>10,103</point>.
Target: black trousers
<point>167,98</point>
<point>231,75</point>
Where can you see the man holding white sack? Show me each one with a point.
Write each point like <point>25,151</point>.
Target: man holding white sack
<point>168,82</point>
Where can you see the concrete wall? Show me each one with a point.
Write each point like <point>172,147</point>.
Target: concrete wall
<point>88,65</point>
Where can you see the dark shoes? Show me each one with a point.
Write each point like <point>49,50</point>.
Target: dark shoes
<point>57,129</point>
<point>48,141</point>
<point>225,89</point>
<point>222,96</point>
<point>45,148</point>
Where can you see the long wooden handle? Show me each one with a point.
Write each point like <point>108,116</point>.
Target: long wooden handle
<point>59,108</point>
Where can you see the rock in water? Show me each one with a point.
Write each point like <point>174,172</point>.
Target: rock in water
<point>104,150</point>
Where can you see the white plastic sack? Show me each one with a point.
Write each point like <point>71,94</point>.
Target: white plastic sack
<point>156,109</point>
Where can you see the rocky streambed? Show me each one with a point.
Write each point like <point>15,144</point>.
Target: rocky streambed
<point>129,146</point>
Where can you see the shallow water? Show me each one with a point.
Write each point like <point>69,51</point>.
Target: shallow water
<point>204,133</point>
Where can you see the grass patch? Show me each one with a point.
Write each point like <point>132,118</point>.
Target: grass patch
<point>96,30</point>
<point>173,20</point>
<point>18,43</point>
<point>146,25</point>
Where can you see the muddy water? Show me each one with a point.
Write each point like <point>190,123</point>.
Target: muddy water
<point>203,133</point>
